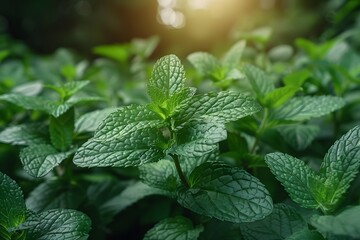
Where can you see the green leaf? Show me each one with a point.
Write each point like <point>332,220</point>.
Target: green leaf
<point>57,224</point>
<point>39,160</point>
<point>279,96</point>
<point>280,224</point>
<point>198,138</point>
<point>4,233</point>
<point>118,52</point>
<point>4,54</point>
<point>73,87</point>
<point>304,108</point>
<point>12,204</point>
<point>62,129</point>
<point>232,57</point>
<point>306,234</point>
<point>144,47</point>
<point>225,106</point>
<point>24,134</point>
<point>90,121</point>
<point>226,193</point>
<point>315,51</point>
<point>135,149</point>
<point>346,223</point>
<point>205,63</point>
<point>127,120</point>
<point>260,82</point>
<point>341,163</point>
<point>54,194</point>
<point>293,175</point>
<point>297,78</point>
<point>175,228</point>
<point>167,78</point>
<point>299,136</point>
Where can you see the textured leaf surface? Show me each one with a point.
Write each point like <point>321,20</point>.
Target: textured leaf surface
<point>341,163</point>
<point>176,228</point>
<point>280,224</point>
<point>12,204</point>
<point>38,160</point>
<point>260,82</point>
<point>54,194</point>
<point>204,62</point>
<point>127,120</point>
<point>226,193</point>
<point>167,78</point>
<point>293,175</point>
<point>299,136</point>
<point>135,149</point>
<point>347,223</point>
<point>232,57</point>
<point>90,121</point>
<point>62,129</point>
<point>223,107</point>
<point>197,138</point>
<point>61,224</point>
<point>304,108</point>
<point>24,134</point>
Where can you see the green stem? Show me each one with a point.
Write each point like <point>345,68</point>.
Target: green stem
<point>179,171</point>
<point>260,130</point>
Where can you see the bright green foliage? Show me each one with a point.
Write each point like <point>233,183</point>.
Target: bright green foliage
<point>259,81</point>
<point>176,228</point>
<point>232,57</point>
<point>283,222</point>
<point>69,89</point>
<point>279,96</point>
<point>297,78</point>
<point>346,223</point>
<point>118,52</point>
<point>298,136</point>
<point>38,160</point>
<point>314,51</point>
<point>24,134</point>
<point>205,63</point>
<point>89,122</point>
<point>226,193</point>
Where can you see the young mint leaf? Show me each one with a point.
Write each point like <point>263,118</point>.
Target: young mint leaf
<point>167,78</point>
<point>341,163</point>
<point>39,160</point>
<point>62,129</point>
<point>198,138</point>
<point>205,63</point>
<point>259,81</point>
<point>176,228</point>
<point>346,223</point>
<point>24,134</point>
<point>232,57</point>
<point>89,122</point>
<point>12,204</point>
<point>280,224</point>
<point>54,194</point>
<point>315,51</point>
<point>57,224</point>
<point>298,136</point>
<point>127,120</point>
<point>226,193</point>
<point>279,96</point>
<point>297,78</point>
<point>293,175</point>
<point>69,88</point>
<point>135,149</point>
<point>225,106</point>
<point>304,108</point>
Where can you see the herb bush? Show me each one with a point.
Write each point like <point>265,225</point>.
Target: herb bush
<point>248,145</point>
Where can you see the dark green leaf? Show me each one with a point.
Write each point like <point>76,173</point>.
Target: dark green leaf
<point>306,234</point>
<point>24,134</point>
<point>90,121</point>
<point>299,136</point>
<point>176,228</point>
<point>62,129</point>
<point>279,96</point>
<point>226,193</point>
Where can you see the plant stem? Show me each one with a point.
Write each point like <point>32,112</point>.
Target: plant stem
<point>179,171</point>
<point>260,130</point>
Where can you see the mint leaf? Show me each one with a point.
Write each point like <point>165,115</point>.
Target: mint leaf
<point>226,193</point>
<point>167,78</point>
<point>197,138</point>
<point>304,108</point>
<point>280,224</point>
<point>297,78</point>
<point>39,160</point>
<point>225,106</point>
<point>204,63</point>
<point>346,223</point>
<point>135,149</point>
<point>279,96</point>
<point>24,134</point>
<point>293,175</point>
<point>12,204</point>
<point>127,120</point>
<point>54,194</point>
<point>259,81</point>
<point>176,228</point>
<point>118,52</point>
<point>62,129</point>
<point>69,88</point>
<point>89,122</point>
<point>341,163</point>
<point>57,224</point>
<point>306,234</point>
<point>298,136</point>
<point>232,57</point>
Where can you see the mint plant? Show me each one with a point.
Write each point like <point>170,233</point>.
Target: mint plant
<point>174,141</point>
